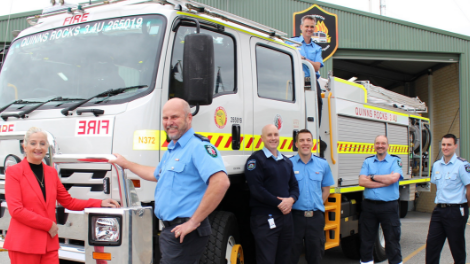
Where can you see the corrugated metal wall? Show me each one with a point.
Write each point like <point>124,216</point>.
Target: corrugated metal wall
<point>16,22</point>
<point>366,31</point>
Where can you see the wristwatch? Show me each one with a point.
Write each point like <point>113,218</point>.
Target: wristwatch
<point>372,177</point>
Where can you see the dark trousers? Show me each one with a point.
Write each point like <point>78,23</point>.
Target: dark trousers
<point>387,215</point>
<point>308,230</point>
<point>447,223</point>
<point>188,252</point>
<point>272,245</point>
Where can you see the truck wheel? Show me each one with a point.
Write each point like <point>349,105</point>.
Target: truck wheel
<point>379,246</point>
<point>222,242</point>
<point>403,207</point>
<point>351,246</point>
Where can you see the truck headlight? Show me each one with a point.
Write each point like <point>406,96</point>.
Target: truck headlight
<point>10,160</point>
<point>105,230</point>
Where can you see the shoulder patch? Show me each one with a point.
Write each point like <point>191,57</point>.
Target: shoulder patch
<point>211,150</point>
<point>467,168</point>
<point>461,159</point>
<point>251,164</point>
<point>399,163</point>
<point>202,138</point>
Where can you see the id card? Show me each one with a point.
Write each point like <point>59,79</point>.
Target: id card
<point>272,225</point>
<point>462,211</point>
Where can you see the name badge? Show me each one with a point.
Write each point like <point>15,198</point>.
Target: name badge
<point>296,172</point>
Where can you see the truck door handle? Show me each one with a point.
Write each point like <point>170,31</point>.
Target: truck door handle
<point>294,137</point>
<point>235,136</point>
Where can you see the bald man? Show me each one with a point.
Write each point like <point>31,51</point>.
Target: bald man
<point>191,162</point>
<point>274,189</point>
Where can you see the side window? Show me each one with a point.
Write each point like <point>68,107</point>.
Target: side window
<point>275,74</point>
<point>224,59</point>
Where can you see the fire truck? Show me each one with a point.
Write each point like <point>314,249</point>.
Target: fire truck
<point>95,77</point>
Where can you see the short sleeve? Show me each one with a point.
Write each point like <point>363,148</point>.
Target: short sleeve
<point>207,160</point>
<point>433,177</point>
<point>318,57</point>
<point>157,171</point>
<point>327,177</point>
<point>365,168</point>
<point>396,167</point>
<point>464,172</point>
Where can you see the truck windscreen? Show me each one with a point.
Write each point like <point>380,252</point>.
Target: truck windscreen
<point>82,60</point>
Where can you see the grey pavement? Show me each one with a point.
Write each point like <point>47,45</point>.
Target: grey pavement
<point>414,231</point>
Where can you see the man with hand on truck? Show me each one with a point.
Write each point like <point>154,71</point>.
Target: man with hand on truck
<point>451,175</point>
<point>273,191</point>
<point>191,180</point>
<point>380,175</point>
<point>315,178</point>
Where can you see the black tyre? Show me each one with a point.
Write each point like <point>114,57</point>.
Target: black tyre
<point>379,246</point>
<point>224,231</point>
<point>403,207</point>
<point>351,246</point>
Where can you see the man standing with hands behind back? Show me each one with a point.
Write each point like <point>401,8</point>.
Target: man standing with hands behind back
<point>380,175</point>
<point>315,178</point>
<point>273,190</point>
<point>451,174</point>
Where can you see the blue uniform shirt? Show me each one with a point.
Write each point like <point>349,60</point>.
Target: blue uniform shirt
<point>183,175</point>
<point>310,51</point>
<point>372,165</point>
<point>311,177</point>
<point>451,179</point>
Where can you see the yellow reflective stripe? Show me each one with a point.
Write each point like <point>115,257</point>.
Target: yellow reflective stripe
<point>407,182</point>
<point>344,147</point>
<point>420,117</point>
<point>355,85</point>
<point>235,28</point>
<point>384,110</point>
<point>347,189</point>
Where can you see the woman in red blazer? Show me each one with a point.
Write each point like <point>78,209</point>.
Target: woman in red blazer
<point>31,190</point>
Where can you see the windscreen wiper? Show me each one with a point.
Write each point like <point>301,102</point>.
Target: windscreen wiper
<point>17,102</point>
<point>108,93</point>
<point>28,111</point>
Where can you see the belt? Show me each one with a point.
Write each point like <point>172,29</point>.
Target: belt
<point>176,221</point>
<point>303,213</point>
<point>379,202</point>
<point>450,205</point>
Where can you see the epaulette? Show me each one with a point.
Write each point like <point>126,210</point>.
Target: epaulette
<point>319,157</point>
<point>396,156</point>
<point>461,159</point>
<point>370,157</point>
<point>202,138</point>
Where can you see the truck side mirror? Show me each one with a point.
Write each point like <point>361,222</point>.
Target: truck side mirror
<point>198,69</point>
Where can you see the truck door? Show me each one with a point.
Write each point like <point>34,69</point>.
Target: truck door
<point>212,121</point>
<point>277,97</point>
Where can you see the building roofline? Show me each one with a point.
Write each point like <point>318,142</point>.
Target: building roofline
<point>389,19</point>
<point>22,14</point>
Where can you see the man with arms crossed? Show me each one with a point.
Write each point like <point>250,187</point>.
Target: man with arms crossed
<point>451,175</point>
<point>191,183</point>
<point>273,190</point>
<point>315,178</point>
<point>380,175</point>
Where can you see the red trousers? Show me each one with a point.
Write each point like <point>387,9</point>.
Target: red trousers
<point>51,257</point>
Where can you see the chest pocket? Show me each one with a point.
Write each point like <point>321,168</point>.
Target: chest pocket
<point>315,180</point>
<point>299,176</point>
<point>176,167</point>
<point>452,181</point>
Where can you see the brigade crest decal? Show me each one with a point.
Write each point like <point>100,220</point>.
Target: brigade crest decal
<point>211,150</point>
<point>220,117</point>
<point>326,30</point>
<point>251,164</point>
<point>278,121</point>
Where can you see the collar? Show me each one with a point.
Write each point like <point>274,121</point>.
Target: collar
<point>452,160</point>
<point>269,154</point>
<point>298,159</point>
<point>387,158</point>
<point>302,40</point>
<point>183,140</point>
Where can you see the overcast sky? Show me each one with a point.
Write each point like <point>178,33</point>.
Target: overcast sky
<point>450,15</point>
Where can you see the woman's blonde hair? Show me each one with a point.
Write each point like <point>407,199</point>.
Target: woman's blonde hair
<point>31,131</point>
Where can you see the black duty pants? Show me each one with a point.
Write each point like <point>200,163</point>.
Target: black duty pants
<point>272,245</point>
<point>387,215</point>
<point>447,223</point>
<point>188,252</point>
<point>311,230</point>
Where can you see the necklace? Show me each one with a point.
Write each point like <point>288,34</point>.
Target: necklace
<point>40,182</point>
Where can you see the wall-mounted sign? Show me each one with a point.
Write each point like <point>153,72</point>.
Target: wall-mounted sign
<point>326,29</point>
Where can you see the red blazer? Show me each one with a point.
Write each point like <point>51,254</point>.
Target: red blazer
<point>31,216</point>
